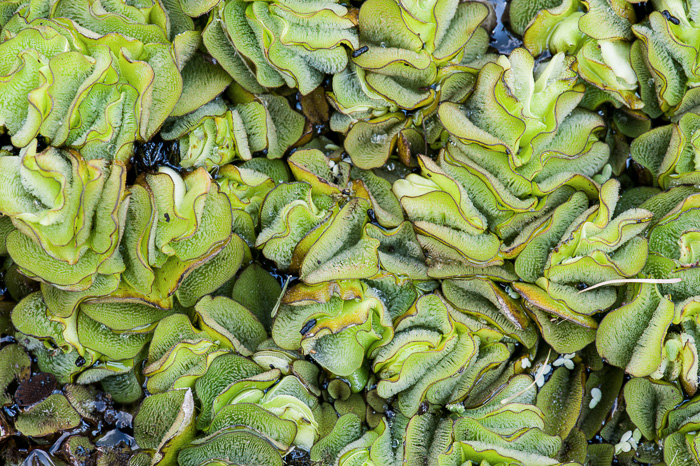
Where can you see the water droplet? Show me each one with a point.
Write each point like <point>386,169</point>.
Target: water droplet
<point>378,138</point>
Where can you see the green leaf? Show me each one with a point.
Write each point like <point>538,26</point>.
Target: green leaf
<point>164,424</point>
<point>560,399</point>
<point>346,430</point>
<point>428,357</point>
<point>648,404</point>
<point>637,345</point>
<point>485,299</point>
<point>257,291</point>
<point>48,417</point>
<point>229,323</point>
<point>69,213</point>
<point>225,371</point>
<point>240,447</point>
<point>342,251</point>
<point>15,365</point>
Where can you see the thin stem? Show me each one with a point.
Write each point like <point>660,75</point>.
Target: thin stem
<point>279,299</point>
<point>633,280</point>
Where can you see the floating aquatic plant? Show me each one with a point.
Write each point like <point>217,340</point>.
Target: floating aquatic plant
<point>665,58</point>
<point>433,358</point>
<point>592,247</point>
<point>319,235</point>
<point>519,145</point>
<point>333,318</point>
<point>92,343</point>
<point>412,57</point>
<point>448,226</point>
<point>597,32</point>
<point>214,135</point>
<point>281,232</point>
<point>265,45</point>
<point>671,152</point>
<point>486,433</point>
<point>98,79</point>
<point>175,226</point>
<point>68,213</point>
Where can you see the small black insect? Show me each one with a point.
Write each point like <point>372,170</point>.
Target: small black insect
<point>372,216</point>
<point>167,217</point>
<point>308,326</point>
<point>359,51</point>
<point>670,17</point>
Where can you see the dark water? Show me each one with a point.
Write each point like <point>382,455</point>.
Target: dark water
<point>297,458</point>
<point>502,39</point>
